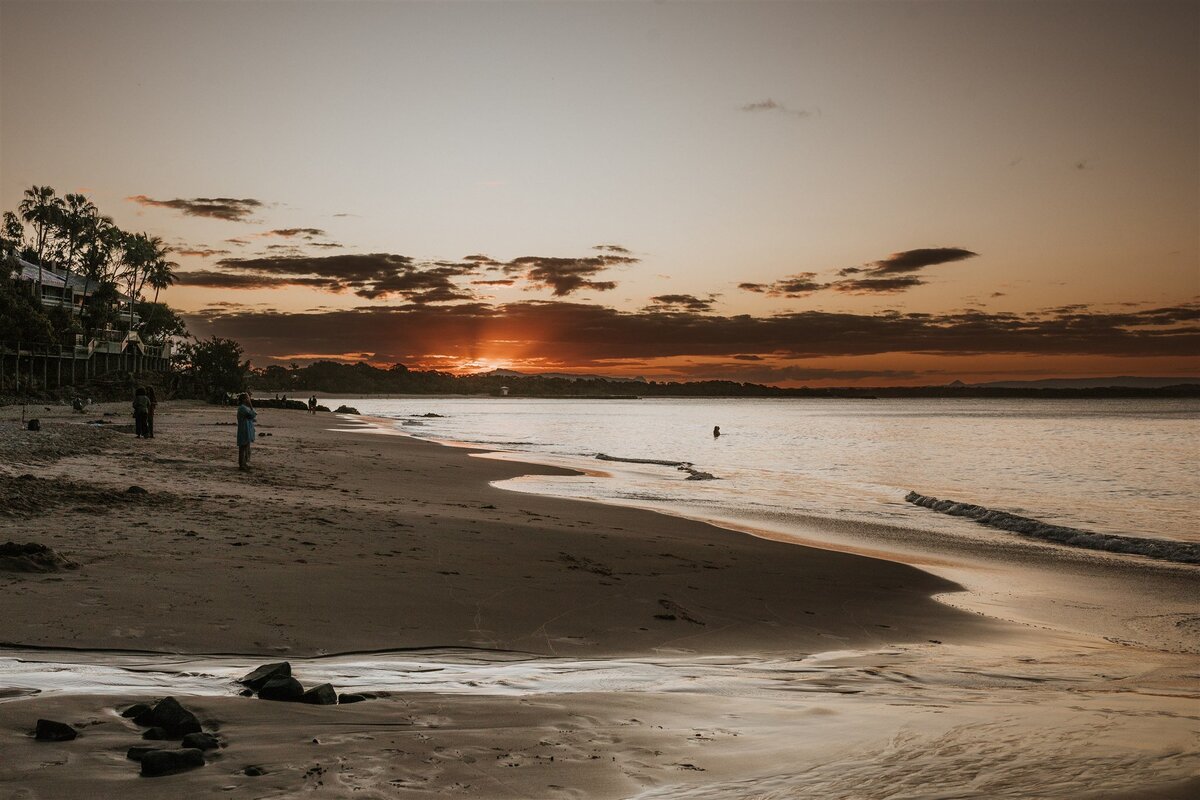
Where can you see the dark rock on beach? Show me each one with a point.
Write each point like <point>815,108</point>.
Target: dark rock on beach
<point>136,490</point>
<point>156,734</point>
<point>136,752</point>
<point>176,720</point>
<point>345,410</point>
<point>136,711</point>
<point>50,731</point>
<point>259,677</point>
<point>323,695</point>
<point>32,557</point>
<point>284,689</point>
<point>253,771</point>
<point>351,698</point>
<point>201,741</point>
<point>168,762</point>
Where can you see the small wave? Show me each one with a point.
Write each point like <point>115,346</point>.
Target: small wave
<point>1180,552</point>
<point>683,466</point>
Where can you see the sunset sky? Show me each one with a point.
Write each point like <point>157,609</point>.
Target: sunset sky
<point>794,193</point>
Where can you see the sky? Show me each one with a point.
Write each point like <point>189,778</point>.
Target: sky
<point>805,193</point>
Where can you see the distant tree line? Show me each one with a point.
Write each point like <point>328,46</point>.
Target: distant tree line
<point>332,377</point>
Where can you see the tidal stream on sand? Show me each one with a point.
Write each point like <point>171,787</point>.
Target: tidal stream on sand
<point>971,720</point>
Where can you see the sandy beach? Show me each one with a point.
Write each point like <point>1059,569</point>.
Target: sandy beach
<point>519,645</point>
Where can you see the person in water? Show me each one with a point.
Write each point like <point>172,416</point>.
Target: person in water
<point>245,429</point>
<point>312,404</point>
<point>716,431</point>
<point>141,413</point>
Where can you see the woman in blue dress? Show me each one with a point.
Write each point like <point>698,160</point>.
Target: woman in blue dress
<point>245,429</point>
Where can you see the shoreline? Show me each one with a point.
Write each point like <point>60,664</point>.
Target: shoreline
<point>994,576</point>
<point>701,662</point>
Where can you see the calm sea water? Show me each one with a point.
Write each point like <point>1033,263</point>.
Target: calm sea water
<point>1111,466</point>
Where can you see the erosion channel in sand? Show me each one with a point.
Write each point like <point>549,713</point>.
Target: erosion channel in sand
<point>521,645</point>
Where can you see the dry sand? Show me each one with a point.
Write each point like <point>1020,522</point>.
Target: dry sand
<point>617,652</point>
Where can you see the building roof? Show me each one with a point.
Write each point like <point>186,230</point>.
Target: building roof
<point>29,272</point>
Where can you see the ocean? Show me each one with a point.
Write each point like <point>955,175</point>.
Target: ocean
<point>1124,468</point>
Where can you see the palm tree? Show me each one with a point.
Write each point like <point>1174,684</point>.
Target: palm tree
<point>41,208</point>
<point>78,214</point>
<point>101,242</point>
<point>141,252</point>
<point>162,274</point>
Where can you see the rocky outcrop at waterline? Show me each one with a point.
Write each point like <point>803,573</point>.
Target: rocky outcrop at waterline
<point>1164,549</point>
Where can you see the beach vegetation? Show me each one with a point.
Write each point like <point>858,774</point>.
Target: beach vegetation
<point>210,368</point>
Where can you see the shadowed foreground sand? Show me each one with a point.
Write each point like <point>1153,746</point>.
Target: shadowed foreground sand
<point>350,541</point>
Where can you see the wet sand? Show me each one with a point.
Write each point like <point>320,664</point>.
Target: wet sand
<point>344,541</point>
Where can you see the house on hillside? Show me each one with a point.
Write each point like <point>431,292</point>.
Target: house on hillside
<point>60,290</point>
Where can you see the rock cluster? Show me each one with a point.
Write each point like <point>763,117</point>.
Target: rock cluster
<point>275,682</point>
<point>345,410</point>
<point>167,721</point>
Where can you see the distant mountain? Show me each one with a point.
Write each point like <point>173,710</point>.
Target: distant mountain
<point>1087,383</point>
<point>569,376</point>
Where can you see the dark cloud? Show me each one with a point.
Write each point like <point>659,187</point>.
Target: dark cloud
<point>582,334</point>
<point>495,282</point>
<point>681,302</point>
<point>201,252</point>
<point>226,208</point>
<point>800,285</point>
<point>613,248</point>
<point>238,242</point>
<point>565,276</point>
<point>307,233</point>
<point>877,285</point>
<point>770,105</point>
<point>369,275</point>
<point>886,276</point>
<point>227,280</point>
<point>914,260</point>
<point>325,244</point>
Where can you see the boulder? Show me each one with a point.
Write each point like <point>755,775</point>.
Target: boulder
<point>345,410</point>
<point>201,741</point>
<point>135,489</point>
<point>50,731</point>
<point>176,720</point>
<point>259,677</point>
<point>136,752</point>
<point>350,698</point>
<point>137,710</point>
<point>285,689</point>
<point>168,762</point>
<point>323,695</point>
<point>144,715</point>
<point>254,771</point>
<point>156,734</point>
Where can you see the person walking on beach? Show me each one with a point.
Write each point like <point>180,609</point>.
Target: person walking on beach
<point>245,429</point>
<point>150,415</point>
<point>716,431</point>
<point>141,413</point>
<point>312,404</point>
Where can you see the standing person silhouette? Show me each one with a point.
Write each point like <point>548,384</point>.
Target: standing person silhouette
<point>150,416</point>
<point>245,429</point>
<point>141,413</point>
<point>312,404</point>
<point>716,431</point>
